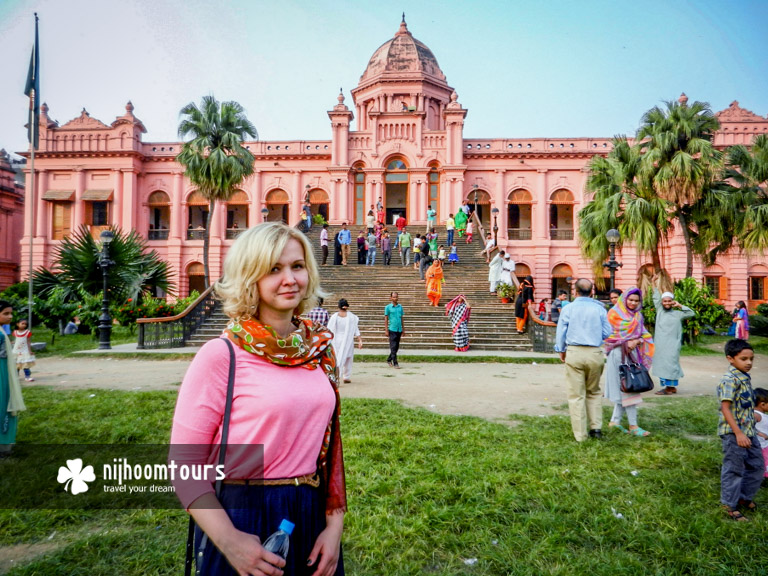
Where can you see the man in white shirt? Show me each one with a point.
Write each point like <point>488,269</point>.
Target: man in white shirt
<point>490,246</point>
<point>324,242</point>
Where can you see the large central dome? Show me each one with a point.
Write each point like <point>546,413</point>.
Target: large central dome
<point>402,57</point>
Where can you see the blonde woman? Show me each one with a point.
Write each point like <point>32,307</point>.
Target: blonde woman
<point>285,399</point>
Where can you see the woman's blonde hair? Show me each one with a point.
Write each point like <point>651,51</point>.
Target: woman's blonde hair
<point>251,257</point>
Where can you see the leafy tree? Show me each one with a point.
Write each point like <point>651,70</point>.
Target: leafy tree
<point>679,161</point>
<point>620,200</point>
<point>134,274</point>
<point>214,159</point>
<point>697,297</point>
<point>748,171</point>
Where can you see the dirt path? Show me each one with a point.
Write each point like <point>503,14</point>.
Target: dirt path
<point>492,391</point>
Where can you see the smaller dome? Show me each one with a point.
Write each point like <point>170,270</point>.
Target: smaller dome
<point>403,54</point>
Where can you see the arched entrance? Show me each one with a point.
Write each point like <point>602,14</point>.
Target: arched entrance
<point>396,181</point>
<point>561,215</point>
<point>197,216</point>
<point>519,215</point>
<point>159,215</point>
<point>434,191</point>
<point>195,278</point>
<point>237,214</point>
<point>319,201</point>
<point>559,282</point>
<point>277,204</point>
<point>483,206</point>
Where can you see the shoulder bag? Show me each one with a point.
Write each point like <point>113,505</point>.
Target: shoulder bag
<point>633,376</point>
<point>222,454</point>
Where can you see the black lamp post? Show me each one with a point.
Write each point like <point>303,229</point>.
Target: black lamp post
<point>474,187</point>
<point>495,213</point>
<point>613,237</point>
<point>264,214</point>
<point>105,320</point>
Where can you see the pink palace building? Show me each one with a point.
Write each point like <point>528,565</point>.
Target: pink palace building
<point>407,147</point>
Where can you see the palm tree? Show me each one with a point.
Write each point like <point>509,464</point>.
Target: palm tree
<point>135,272</point>
<point>621,201</point>
<point>679,160</point>
<point>214,159</point>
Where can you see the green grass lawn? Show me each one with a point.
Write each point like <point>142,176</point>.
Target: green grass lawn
<point>60,345</point>
<point>427,492</point>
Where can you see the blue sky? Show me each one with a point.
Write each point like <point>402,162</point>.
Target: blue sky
<point>523,69</point>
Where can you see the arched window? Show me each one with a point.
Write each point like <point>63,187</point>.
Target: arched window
<point>522,270</point>
<point>237,214</point>
<point>195,278</point>
<point>318,199</point>
<point>197,216</point>
<point>159,205</point>
<point>434,190</point>
<point>359,173</point>
<point>276,203</point>
<point>481,198</point>
<point>561,215</point>
<point>519,220</point>
<point>396,164</point>
<point>560,275</point>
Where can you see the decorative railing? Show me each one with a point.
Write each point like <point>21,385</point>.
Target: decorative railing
<point>233,233</point>
<point>561,234</point>
<point>195,234</point>
<point>542,332</point>
<point>157,235</point>
<point>175,331</point>
<point>519,233</point>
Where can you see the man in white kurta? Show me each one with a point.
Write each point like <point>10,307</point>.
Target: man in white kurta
<point>494,270</point>
<point>507,268</point>
<point>345,327</point>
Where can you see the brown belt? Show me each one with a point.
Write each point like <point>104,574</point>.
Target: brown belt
<point>308,480</point>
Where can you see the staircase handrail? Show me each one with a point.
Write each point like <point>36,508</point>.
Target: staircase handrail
<point>542,332</point>
<point>175,331</point>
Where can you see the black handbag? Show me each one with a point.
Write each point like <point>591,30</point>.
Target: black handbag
<point>633,376</point>
<point>222,454</point>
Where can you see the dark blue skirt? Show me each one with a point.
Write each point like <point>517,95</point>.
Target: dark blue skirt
<point>259,510</point>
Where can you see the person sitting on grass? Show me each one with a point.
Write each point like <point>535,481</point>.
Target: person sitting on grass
<point>743,466</point>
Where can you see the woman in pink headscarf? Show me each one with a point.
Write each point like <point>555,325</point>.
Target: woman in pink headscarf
<point>630,333</point>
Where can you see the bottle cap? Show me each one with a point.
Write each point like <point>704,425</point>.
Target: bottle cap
<point>287,526</point>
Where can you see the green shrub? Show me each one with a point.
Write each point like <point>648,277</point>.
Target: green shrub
<point>318,219</point>
<point>697,297</point>
<point>758,325</point>
<point>762,309</point>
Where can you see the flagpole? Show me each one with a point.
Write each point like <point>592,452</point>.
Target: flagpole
<point>31,198</point>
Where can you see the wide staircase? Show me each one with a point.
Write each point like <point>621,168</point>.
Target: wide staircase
<point>367,289</point>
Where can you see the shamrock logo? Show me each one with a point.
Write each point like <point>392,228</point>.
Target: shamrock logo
<point>77,475</point>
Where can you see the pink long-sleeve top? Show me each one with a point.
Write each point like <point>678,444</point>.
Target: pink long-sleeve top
<point>287,410</point>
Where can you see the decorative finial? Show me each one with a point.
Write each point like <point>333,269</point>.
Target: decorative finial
<point>340,97</point>
<point>44,108</point>
<point>84,112</point>
<point>454,96</point>
<point>403,27</point>
<point>129,106</point>
<point>683,99</point>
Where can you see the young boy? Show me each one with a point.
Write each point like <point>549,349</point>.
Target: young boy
<point>743,465</point>
<point>761,426</point>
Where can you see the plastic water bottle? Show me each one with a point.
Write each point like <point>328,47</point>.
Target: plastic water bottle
<point>278,542</point>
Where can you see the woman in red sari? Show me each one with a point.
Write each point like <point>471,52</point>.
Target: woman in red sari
<point>435,282</point>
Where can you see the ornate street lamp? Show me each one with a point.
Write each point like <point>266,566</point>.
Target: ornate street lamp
<point>495,213</point>
<point>474,187</point>
<point>264,214</point>
<point>613,237</point>
<point>105,320</point>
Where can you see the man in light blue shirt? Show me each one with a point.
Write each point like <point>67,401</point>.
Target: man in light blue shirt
<point>344,239</point>
<point>581,329</point>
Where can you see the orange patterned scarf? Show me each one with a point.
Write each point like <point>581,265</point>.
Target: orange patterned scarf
<point>309,346</point>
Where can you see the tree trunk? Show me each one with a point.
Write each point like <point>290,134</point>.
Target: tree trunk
<point>656,260</point>
<point>207,242</point>
<point>688,248</point>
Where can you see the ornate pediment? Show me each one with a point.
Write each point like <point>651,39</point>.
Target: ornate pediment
<point>735,113</point>
<point>84,122</point>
